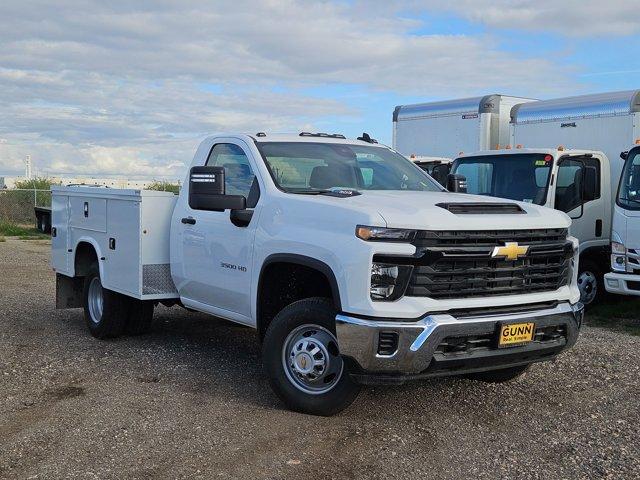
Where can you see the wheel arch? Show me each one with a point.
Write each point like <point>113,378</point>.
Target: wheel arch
<point>292,260</point>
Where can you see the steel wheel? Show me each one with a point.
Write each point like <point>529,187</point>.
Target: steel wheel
<point>588,285</point>
<point>311,359</point>
<point>95,300</point>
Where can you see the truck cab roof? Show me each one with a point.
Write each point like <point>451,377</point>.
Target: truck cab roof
<point>546,151</point>
<point>303,137</point>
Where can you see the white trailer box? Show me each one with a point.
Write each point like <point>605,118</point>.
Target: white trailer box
<point>609,122</point>
<point>444,129</point>
<point>129,230</point>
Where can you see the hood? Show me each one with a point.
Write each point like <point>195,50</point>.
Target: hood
<point>419,210</point>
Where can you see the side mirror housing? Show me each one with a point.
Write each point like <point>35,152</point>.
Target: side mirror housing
<point>207,191</point>
<point>456,183</point>
<point>624,155</point>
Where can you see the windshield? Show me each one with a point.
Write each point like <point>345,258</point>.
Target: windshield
<point>523,177</point>
<point>299,167</point>
<point>629,191</point>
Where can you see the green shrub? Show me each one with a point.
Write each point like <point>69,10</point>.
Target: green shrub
<point>164,186</point>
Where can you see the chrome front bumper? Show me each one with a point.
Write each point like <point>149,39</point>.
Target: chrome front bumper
<point>418,340</point>
<point>622,283</point>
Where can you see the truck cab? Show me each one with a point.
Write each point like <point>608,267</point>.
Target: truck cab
<point>576,182</point>
<point>625,237</point>
<point>350,262</point>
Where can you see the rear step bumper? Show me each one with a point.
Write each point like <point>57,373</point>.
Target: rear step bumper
<point>388,351</point>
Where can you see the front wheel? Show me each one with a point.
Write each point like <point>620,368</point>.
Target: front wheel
<point>590,283</point>
<point>302,359</point>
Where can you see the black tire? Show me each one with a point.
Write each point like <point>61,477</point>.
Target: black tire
<point>308,313</point>
<point>139,317</point>
<point>114,309</point>
<point>499,376</point>
<point>588,271</point>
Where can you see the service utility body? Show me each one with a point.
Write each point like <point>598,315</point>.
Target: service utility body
<point>352,264</point>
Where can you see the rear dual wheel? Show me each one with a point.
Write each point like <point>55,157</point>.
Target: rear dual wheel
<point>109,314</point>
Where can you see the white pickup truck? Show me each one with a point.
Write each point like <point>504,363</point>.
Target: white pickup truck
<point>353,265</point>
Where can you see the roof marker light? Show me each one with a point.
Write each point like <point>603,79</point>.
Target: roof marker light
<point>560,148</point>
<point>519,146</point>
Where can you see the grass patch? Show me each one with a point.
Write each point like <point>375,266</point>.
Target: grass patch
<point>12,230</point>
<point>619,313</point>
<point>33,237</point>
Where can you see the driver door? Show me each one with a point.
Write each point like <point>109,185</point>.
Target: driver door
<point>216,252</point>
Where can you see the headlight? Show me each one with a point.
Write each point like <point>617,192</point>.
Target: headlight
<point>384,234</point>
<point>388,282</point>
<point>618,257</point>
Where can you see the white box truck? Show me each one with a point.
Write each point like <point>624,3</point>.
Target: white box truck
<point>625,237</point>
<point>446,128</point>
<point>608,122</point>
<point>576,182</point>
<point>352,264</point>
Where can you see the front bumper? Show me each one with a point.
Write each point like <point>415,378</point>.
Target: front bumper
<point>622,283</point>
<point>419,352</point>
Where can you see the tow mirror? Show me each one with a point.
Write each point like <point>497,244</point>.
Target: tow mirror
<point>456,183</point>
<point>207,191</point>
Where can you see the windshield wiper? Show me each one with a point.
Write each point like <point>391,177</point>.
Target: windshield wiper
<point>306,191</point>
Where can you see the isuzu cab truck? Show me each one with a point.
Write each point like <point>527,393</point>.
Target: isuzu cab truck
<point>625,236</point>
<point>577,182</point>
<point>350,262</point>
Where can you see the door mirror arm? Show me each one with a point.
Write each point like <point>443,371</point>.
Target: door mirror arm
<point>241,218</point>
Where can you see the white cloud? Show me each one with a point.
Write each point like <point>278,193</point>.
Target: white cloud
<point>128,87</point>
<point>578,18</point>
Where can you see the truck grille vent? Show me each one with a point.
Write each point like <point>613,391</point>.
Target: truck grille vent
<point>387,343</point>
<point>489,238</point>
<point>461,265</point>
<point>452,346</point>
<point>481,208</point>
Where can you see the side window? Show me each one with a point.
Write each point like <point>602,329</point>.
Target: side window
<point>239,177</point>
<point>569,184</point>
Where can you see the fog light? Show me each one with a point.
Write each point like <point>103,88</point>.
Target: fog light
<point>388,282</point>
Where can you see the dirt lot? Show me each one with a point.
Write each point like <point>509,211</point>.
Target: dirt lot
<point>190,401</point>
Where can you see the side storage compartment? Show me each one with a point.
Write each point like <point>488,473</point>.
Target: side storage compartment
<point>60,233</point>
<point>156,212</point>
<point>122,256</point>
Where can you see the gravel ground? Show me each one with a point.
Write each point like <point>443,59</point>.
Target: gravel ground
<point>189,401</point>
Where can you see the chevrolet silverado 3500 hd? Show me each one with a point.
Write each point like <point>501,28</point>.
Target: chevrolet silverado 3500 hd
<point>353,265</point>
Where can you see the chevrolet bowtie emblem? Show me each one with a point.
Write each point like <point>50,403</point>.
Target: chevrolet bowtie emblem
<point>510,251</point>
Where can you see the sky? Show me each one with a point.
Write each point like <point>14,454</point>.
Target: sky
<point>129,89</point>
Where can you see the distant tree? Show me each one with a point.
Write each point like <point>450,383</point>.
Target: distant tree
<point>164,186</point>
<point>42,183</point>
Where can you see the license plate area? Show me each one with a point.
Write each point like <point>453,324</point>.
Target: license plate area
<point>515,334</point>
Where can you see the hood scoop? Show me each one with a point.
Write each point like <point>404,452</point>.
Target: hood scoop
<point>471,208</point>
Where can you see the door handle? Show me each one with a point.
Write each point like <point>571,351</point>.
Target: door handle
<point>189,221</point>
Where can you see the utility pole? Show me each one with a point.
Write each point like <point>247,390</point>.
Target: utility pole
<point>27,172</point>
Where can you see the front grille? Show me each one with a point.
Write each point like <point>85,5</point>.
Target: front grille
<point>461,345</point>
<point>460,265</point>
